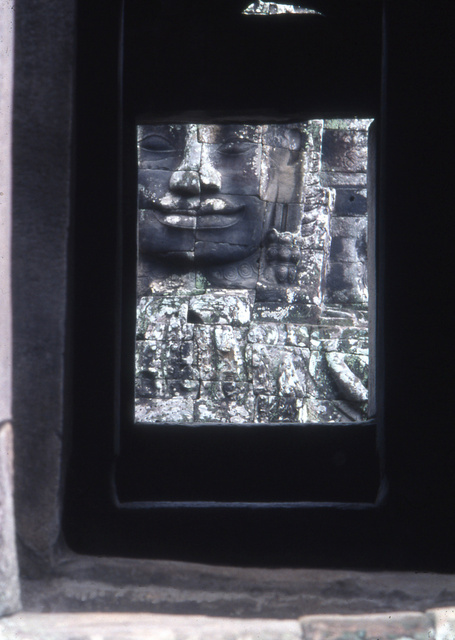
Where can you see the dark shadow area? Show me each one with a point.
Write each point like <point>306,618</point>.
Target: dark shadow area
<point>224,65</point>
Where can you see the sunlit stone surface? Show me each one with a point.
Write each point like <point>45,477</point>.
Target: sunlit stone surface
<point>274,8</point>
<point>252,273</point>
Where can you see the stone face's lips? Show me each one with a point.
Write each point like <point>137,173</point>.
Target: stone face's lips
<point>201,218</point>
<point>217,221</point>
<point>177,220</point>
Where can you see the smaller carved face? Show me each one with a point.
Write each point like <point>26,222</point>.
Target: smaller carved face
<point>199,192</point>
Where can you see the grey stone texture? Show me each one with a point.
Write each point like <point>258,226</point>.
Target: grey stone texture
<point>9,579</point>
<point>397,626</point>
<point>6,102</point>
<point>286,325</point>
<point>93,584</point>
<point>443,623</point>
<point>44,64</point>
<point>436,624</point>
<point>183,365</point>
<point>9,575</point>
<point>142,626</point>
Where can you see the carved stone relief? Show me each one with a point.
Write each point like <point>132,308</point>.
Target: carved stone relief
<point>252,294</point>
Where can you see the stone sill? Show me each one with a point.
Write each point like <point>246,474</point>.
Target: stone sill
<point>93,584</point>
<point>437,624</point>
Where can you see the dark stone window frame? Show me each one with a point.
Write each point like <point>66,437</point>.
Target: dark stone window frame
<point>325,534</point>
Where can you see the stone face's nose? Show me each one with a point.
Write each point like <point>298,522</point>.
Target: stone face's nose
<point>185,183</point>
<point>210,178</point>
<point>196,172</point>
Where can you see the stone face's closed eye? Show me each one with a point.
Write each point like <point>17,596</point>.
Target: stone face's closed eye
<point>156,143</point>
<point>234,147</point>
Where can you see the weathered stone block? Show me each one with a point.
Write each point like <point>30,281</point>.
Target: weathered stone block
<point>147,386</point>
<point>178,359</point>
<point>348,340</point>
<point>351,202</point>
<point>444,623</point>
<point>281,175</point>
<point>156,279</point>
<point>317,410</point>
<point>283,136</point>
<point>315,233</point>
<point>309,276</point>
<point>347,282</point>
<point>157,308</point>
<point>313,162</point>
<point>171,359</point>
<point>343,179</point>
<point>149,358</point>
<point>314,130</point>
<point>266,333</point>
<point>277,312</point>
<point>220,353</point>
<point>390,626</point>
<point>178,409</point>
<point>291,218</point>
<point>344,150</point>
<point>278,409</point>
<point>350,375</point>
<point>322,385</point>
<point>279,370</point>
<point>355,124</point>
<point>204,341</point>
<point>348,249</point>
<point>347,227</point>
<point>319,197</point>
<point>230,353</point>
<point>9,572</point>
<point>222,307</point>
<point>231,402</point>
<point>297,335</point>
<point>143,626</point>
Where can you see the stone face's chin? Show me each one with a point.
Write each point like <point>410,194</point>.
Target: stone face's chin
<point>208,253</point>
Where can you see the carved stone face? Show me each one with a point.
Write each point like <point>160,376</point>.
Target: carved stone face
<point>199,192</point>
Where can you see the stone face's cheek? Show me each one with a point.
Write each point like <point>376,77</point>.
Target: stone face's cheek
<point>239,166</point>
<point>246,227</point>
<point>153,185</point>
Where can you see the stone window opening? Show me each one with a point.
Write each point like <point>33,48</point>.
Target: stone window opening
<point>252,273</point>
<point>411,530</point>
<point>151,469</point>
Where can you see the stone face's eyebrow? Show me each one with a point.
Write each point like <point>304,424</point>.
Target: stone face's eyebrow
<point>215,134</point>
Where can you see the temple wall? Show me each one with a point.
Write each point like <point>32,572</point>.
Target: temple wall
<point>55,581</point>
